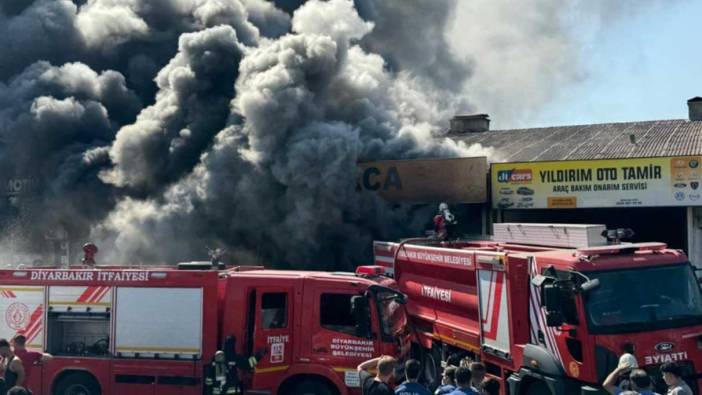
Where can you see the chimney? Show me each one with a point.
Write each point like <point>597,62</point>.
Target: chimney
<point>694,107</point>
<point>477,123</point>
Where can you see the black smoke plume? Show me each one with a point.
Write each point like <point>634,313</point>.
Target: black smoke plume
<point>161,127</point>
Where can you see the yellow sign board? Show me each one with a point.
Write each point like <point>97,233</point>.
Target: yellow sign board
<point>640,182</point>
<point>457,180</point>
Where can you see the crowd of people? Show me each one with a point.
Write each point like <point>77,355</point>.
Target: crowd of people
<point>628,379</point>
<point>460,377</point>
<point>17,364</point>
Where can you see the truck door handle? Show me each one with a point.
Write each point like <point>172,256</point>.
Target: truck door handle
<point>319,349</point>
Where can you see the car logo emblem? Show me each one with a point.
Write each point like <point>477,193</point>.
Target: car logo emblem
<point>694,184</point>
<point>694,163</point>
<point>664,346</point>
<point>679,195</point>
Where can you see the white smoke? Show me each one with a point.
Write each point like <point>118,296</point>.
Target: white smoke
<point>523,55</point>
<point>109,23</point>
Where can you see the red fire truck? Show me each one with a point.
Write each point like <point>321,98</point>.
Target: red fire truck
<point>157,330</point>
<point>548,308</point>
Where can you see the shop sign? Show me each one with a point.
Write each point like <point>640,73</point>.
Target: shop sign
<point>640,182</point>
<point>457,180</point>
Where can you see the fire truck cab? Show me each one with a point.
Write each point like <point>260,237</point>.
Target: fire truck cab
<point>199,330</point>
<point>549,308</point>
<point>312,328</point>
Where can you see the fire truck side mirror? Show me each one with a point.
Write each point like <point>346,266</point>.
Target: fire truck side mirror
<point>553,302</point>
<point>551,297</point>
<point>361,312</point>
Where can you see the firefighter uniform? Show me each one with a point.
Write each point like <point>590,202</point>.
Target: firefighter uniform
<point>222,377</point>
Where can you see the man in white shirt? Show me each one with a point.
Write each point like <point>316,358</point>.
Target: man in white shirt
<point>672,375</point>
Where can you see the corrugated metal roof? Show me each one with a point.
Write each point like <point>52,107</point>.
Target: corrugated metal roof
<point>601,141</point>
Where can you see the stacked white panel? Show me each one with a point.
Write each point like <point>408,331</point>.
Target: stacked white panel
<point>159,321</point>
<point>554,235</point>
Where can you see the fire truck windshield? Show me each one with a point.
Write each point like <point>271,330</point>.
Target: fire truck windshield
<point>638,299</point>
<point>392,313</point>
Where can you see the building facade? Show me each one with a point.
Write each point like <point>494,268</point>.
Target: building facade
<point>646,175</point>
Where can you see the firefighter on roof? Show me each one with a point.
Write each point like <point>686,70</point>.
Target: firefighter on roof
<point>89,251</point>
<point>444,221</point>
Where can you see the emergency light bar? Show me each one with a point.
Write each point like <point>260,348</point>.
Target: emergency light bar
<point>370,270</point>
<point>621,248</point>
<point>552,235</point>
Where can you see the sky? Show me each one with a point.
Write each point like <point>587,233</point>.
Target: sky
<point>632,63</point>
<point>644,68</point>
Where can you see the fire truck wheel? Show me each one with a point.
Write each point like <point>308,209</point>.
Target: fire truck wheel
<point>77,384</point>
<point>312,387</point>
<point>538,388</point>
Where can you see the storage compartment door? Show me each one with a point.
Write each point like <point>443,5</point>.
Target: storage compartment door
<point>494,314</point>
<point>159,322</point>
<point>22,311</point>
<point>78,320</point>
<point>80,299</point>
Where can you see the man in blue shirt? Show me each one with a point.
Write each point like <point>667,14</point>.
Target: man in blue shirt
<point>463,381</point>
<point>411,386</point>
<point>448,382</point>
